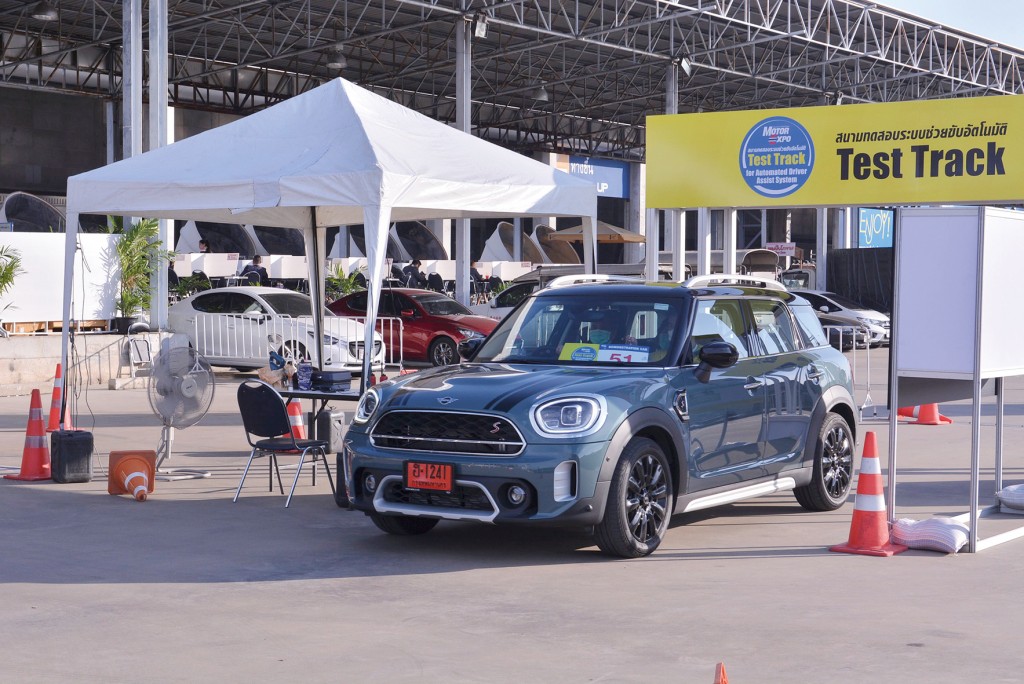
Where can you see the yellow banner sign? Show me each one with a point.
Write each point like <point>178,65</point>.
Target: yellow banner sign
<point>937,151</point>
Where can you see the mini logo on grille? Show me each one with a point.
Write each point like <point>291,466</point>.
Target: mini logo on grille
<point>496,429</point>
<point>444,401</point>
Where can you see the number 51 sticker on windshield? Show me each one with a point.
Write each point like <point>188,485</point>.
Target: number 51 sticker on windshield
<point>605,353</point>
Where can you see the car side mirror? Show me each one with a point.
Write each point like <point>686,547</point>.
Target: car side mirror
<point>255,315</point>
<point>468,348</point>
<point>824,308</point>
<point>715,355</point>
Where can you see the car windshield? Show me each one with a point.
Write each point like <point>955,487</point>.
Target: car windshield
<point>440,305</point>
<point>581,329</point>
<point>288,303</point>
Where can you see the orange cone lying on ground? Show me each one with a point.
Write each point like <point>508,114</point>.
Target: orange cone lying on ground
<point>720,676</point>
<point>869,529</point>
<point>131,472</point>
<point>929,415</point>
<point>906,412</point>
<point>35,459</point>
<point>55,402</point>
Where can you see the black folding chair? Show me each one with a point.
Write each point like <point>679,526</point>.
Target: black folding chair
<point>265,415</point>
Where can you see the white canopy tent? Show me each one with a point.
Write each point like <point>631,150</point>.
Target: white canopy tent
<point>336,155</point>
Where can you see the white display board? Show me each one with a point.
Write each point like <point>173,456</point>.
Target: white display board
<point>955,306</point>
<point>32,297</point>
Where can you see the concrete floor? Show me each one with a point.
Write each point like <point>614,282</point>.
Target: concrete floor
<point>189,586</point>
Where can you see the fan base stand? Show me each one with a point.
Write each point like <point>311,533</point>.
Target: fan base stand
<point>174,474</point>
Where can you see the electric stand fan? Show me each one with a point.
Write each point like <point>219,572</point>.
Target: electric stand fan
<point>181,388</point>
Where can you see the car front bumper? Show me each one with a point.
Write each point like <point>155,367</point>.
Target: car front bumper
<point>560,481</point>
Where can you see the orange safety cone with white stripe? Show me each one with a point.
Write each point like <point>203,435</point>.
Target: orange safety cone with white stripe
<point>131,472</point>
<point>720,676</point>
<point>906,412</point>
<point>929,415</point>
<point>55,402</point>
<point>35,459</point>
<point>295,420</point>
<point>869,530</point>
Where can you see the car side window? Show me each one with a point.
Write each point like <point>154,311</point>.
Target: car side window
<point>515,294</point>
<point>773,326</point>
<point>214,302</point>
<point>809,324</point>
<point>357,302</point>
<point>243,303</point>
<point>718,320</point>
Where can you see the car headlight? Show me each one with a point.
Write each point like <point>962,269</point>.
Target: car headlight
<point>469,334</point>
<point>367,405</point>
<point>329,340</point>
<point>569,416</point>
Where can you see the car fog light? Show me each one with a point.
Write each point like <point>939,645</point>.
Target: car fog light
<point>370,483</point>
<point>516,495</point>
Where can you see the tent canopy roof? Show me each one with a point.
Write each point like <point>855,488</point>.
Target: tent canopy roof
<point>331,152</point>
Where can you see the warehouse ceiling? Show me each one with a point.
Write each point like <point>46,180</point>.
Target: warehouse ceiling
<point>552,75</point>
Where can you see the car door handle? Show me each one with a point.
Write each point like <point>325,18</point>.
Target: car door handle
<point>813,373</point>
<point>753,383</point>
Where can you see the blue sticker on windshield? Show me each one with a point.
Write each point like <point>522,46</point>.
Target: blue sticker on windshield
<point>583,353</point>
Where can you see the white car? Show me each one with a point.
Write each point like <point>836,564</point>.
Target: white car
<point>240,326</point>
<point>839,307</point>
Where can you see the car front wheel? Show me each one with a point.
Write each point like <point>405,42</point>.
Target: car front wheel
<point>833,467</point>
<point>639,505</point>
<point>442,352</point>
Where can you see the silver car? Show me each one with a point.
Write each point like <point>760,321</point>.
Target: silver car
<point>841,308</point>
<point>240,326</point>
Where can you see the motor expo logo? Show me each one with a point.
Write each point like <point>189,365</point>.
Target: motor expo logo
<point>777,157</point>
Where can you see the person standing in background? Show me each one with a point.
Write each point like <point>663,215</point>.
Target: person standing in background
<point>204,247</point>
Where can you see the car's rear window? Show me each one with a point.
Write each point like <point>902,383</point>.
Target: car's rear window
<point>809,325</point>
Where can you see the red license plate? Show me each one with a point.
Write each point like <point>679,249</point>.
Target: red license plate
<point>434,476</point>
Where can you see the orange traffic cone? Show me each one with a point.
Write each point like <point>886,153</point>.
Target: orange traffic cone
<point>55,402</point>
<point>929,415</point>
<point>906,412</point>
<point>406,371</point>
<point>869,530</point>
<point>35,459</point>
<point>295,419</point>
<point>383,376</point>
<point>720,676</point>
<point>131,472</point>
<point>373,379</point>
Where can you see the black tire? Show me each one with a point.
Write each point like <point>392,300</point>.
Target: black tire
<point>402,525</point>
<point>833,467</point>
<point>442,352</point>
<point>296,350</point>
<point>639,505</point>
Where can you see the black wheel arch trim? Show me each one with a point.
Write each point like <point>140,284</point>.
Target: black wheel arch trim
<point>662,427</point>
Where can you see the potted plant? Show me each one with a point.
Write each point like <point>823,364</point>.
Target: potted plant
<point>10,267</point>
<point>139,255</point>
<point>338,284</point>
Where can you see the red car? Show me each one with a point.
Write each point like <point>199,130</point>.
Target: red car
<point>432,324</point>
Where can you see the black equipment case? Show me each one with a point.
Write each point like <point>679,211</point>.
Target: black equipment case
<point>71,456</point>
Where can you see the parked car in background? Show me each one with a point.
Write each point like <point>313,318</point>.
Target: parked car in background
<point>431,325</point>
<point>240,326</point>
<point>842,334</point>
<point>845,309</point>
<point>612,406</point>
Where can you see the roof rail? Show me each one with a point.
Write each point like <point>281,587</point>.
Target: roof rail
<point>734,279</point>
<point>562,281</point>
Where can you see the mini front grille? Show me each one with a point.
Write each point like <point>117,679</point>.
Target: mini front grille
<point>355,349</point>
<point>466,498</point>
<point>448,432</point>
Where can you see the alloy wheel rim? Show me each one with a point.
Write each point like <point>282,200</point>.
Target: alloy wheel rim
<point>646,499</point>
<point>837,462</point>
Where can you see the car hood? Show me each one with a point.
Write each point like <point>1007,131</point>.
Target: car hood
<point>471,386</point>
<point>483,324</point>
